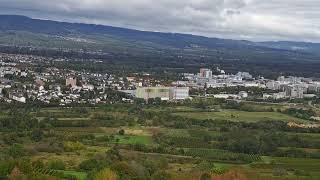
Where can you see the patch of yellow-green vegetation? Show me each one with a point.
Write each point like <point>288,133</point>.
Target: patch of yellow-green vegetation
<point>71,159</point>
<point>133,131</point>
<point>2,114</point>
<point>136,132</point>
<point>177,133</point>
<point>241,116</point>
<point>77,174</point>
<point>220,168</point>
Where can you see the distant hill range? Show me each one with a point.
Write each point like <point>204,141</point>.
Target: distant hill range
<point>24,31</point>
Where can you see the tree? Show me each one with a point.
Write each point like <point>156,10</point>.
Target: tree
<point>36,135</point>
<point>121,132</point>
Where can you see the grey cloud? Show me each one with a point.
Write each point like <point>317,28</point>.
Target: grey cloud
<point>297,20</point>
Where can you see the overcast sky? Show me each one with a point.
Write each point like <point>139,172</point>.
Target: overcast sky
<point>297,20</point>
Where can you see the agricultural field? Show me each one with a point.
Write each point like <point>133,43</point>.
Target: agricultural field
<point>289,166</point>
<point>178,141</point>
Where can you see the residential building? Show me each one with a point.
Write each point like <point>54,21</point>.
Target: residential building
<point>71,82</point>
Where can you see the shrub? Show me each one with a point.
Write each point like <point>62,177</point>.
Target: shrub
<point>121,132</point>
<point>105,174</point>
<point>73,146</point>
<point>16,151</point>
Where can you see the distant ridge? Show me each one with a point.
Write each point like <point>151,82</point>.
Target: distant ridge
<point>155,50</point>
<point>49,27</point>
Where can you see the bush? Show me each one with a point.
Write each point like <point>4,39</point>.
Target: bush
<point>88,165</point>
<point>105,174</point>
<point>73,146</point>
<point>16,151</point>
<point>37,135</point>
<point>121,132</point>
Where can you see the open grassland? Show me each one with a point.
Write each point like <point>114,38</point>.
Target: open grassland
<point>240,116</point>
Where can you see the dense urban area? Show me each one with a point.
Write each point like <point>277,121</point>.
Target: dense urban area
<point>35,79</point>
<point>65,118</point>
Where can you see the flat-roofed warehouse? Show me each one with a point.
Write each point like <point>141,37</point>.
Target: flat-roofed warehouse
<point>165,93</point>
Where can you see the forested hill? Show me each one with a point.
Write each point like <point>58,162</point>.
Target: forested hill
<point>22,23</point>
<point>87,33</point>
<point>142,49</point>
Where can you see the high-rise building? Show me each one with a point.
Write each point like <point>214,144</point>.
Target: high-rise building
<point>205,73</point>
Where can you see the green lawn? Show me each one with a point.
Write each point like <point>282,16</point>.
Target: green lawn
<point>238,116</point>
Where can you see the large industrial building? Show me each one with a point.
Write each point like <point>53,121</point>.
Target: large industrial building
<point>179,93</point>
<point>165,93</point>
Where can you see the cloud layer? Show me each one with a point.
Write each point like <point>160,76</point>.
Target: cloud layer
<point>258,20</point>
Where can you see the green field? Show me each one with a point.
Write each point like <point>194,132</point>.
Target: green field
<point>79,175</point>
<point>126,139</point>
<point>241,116</point>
